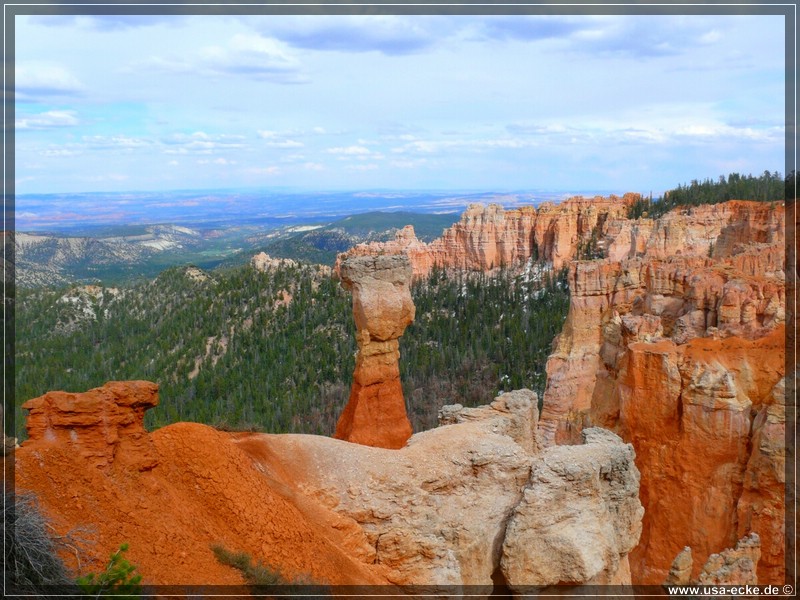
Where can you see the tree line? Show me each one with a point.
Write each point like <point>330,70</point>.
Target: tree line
<point>767,187</point>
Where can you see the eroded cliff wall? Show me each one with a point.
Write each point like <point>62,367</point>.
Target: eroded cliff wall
<point>488,237</point>
<point>677,343</point>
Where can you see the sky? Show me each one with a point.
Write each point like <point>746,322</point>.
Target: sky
<point>496,103</point>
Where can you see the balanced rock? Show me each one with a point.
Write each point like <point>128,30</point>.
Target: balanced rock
<point>382,309</point>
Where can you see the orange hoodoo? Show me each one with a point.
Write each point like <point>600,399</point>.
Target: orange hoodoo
<point>382,309</point>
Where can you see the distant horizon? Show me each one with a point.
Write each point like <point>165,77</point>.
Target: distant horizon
<point>344,190</point>
<point>245,206</point>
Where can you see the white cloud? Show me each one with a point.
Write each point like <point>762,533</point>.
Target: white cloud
<point>710,37</point>
<point>285,144</point>
<point>476,145</point>
<point>216,161</point>
<point>55,151</point>
<point>34,80</point>
<point>408,164</point>
<point>47,120</point>
<point>349,150</point>
<point>388,34</point>
<point>664,125</point>
<point>201,143</point>
<point>115,141</point>
<point>246,55</point>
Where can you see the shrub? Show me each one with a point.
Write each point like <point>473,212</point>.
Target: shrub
<point>119,580</point>
<point>32,564</point>
<point>254,574</point>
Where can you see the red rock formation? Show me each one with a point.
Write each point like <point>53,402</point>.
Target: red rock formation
<point>687,411</point>
<point>102,426</point>
<point>382,308</point>
<point>488,237</point>
<point>678,354</point>
<point>171,494</point>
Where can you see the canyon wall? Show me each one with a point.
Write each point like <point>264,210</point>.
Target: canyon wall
<point>476,501</point>
<point>488,237</point>
<point>677,343</point>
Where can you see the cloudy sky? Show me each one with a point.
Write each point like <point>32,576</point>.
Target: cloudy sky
<point>612,103</point>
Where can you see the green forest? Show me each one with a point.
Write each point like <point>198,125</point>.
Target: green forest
<point>767,187</point>
<point>274,351</point>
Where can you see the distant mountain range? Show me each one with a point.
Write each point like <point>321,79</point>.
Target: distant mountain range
<point>122,253</point>
<point>51,260</point>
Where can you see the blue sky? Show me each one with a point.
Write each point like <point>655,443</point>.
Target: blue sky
<point>613,103</point>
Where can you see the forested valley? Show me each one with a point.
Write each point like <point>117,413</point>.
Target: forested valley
<point>274,351</point>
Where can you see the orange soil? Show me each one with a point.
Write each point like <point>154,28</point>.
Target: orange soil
<point>203,490</point>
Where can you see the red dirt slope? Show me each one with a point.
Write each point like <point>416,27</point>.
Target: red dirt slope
<point>170,494</point>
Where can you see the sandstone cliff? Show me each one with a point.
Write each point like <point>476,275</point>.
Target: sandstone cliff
<point>475,501</point>
<point>382,308</point>
<point>488,237</point>
<point>676,342</point>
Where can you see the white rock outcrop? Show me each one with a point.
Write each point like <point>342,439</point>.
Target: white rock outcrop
<point>474,500</point>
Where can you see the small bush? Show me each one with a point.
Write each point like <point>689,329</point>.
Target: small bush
<point>119,580</point>
<point>254,574</point>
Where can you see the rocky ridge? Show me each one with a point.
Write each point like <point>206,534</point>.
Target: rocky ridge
<point>458,505</point>
<point>52,260</point>
<point>488,237</point>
